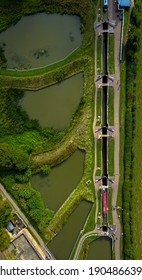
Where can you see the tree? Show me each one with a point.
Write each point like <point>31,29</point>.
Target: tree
<point>4,239</point>
<point>5,156</point>
<point>5,213</point>
<point>13,158</point>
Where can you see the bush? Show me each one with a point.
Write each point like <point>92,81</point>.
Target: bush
<point>13,119</point>
<point>45,169</point>
<point>11,158</point>
<point>4,239</point>
<point>5,213</point>
<point>23,177</point>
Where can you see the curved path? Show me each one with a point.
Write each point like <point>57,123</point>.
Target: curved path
<point>82,239</point>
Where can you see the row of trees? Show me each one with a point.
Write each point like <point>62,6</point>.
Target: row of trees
<point>131,71</point>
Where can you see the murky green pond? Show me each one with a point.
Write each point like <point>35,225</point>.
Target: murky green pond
<point>100,249</point>
<point>53,106</point>
<point>40,39</point>
<point>62,180</point>
<point>61,246</point>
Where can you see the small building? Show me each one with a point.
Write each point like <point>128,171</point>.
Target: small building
<point>124,3</point>
<point>10,227</point>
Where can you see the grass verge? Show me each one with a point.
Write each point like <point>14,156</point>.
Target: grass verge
<point>111,54</point>
<point>111,156</point>
<point>111,106</point>
<point>99,55</point>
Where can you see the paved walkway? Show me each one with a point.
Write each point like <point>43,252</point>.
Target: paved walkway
<point>25,220</point>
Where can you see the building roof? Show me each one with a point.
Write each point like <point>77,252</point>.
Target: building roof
<point>124,3</point>
<point>10,226</point>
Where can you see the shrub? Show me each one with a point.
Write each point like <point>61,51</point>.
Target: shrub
<point>45,169</point>
<point>4,239</point>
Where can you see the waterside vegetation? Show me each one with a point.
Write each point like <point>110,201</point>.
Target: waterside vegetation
<point>44,148</point>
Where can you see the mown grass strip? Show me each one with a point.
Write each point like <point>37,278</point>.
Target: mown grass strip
<point>111,54</point>
<point>111,156</point>
<point>98,107</point>
<point>99,55</point>
<point>99,154</point>
<point>111,106</point>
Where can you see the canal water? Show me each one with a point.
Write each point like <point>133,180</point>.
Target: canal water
<point>53,106</point>
<point>100,249</point>
<point>40,39</point>
<point>62,180</point>
<point>61,246</point>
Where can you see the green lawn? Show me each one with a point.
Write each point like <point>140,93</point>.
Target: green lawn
<point>99,220</point>
<point>111,54</point>
<point>111,156</point>
<point>99,55</point>
<point>111,106</point>
<point>99,157</point>
<point>98,107</point>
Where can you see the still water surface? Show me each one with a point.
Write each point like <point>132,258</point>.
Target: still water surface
<point>61,246</point>
<point>62,180</point>
<point>100,249</point>
<point>40,39</point>
<point>53,106</point>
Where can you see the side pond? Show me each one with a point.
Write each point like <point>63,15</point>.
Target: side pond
<point>53,106</point>
<point>62,180</point>
<point>100,249</point>
<point>40,39</point>
<point>61,246</point>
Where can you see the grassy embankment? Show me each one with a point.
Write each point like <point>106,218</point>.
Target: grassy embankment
<point>79,134</point>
